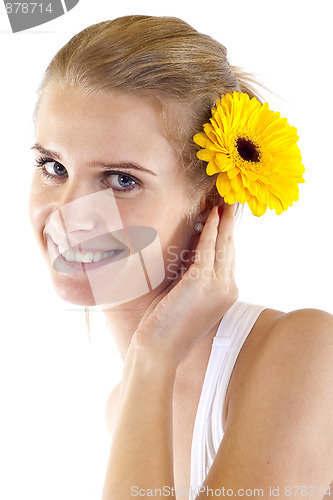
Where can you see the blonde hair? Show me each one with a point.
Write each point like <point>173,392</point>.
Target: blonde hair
<point>160,58</point>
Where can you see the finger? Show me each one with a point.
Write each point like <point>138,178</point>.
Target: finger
<point>227,223</point>
<point>224,249</point>
<point>205,251</point>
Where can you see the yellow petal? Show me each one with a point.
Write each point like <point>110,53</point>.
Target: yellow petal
<point>262,194</point>
<point>231,197</point>
<point>236,182</point>
<point>243,195</point>
<point>212,169</point>
<point>253,188</point>
<point>206,155</point>
<point>200,139</point>
<point>273,181</point>
<point>256,208</point>
<point>233,173</point>
<point>223,184</point>
<point>224,162</point>
<point>274,203</point>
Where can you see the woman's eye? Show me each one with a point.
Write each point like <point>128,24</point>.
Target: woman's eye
<point>54,168</point>
<point>122,182</point>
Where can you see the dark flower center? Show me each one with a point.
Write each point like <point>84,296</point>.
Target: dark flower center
<point>247,150</point>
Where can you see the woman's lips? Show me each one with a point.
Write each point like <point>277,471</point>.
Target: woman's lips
<point>77,259</point>
<point>70,255</point>
<point>85,256</point>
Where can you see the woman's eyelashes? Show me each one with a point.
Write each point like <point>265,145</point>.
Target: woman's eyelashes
<point>50,169</point>
<point>125,181</point>
<point>118,181</point>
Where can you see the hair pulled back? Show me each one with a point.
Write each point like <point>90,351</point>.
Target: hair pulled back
<point>163,59</point>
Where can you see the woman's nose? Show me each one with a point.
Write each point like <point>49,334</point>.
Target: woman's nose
<point>84,216</point>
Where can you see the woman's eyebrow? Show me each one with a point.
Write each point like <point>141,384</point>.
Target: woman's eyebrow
<point>47,152</point>
<point>120,166</point>
<point>96,164</point>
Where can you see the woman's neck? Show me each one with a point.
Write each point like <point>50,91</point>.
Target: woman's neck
<point>124,319</point>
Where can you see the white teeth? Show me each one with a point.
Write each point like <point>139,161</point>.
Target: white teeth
<point>88,257</point>
<point>97,257</point>
<point>70,256</point>
<point>82,257</point>
<point>79,257</point>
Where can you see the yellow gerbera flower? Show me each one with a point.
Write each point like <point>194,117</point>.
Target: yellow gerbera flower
<point>255,153</point>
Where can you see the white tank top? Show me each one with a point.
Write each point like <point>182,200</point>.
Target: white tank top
<point>208,432</point>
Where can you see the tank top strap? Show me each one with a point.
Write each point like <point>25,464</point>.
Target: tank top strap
<point>233,330</point>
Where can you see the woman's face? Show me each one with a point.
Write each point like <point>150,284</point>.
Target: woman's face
<point>108,200</point>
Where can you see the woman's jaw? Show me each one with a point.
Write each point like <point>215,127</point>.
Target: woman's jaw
<point>95,146</point>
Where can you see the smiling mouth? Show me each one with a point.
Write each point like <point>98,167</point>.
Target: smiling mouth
<point>79,259</point>
<point>85,257</point>
<point>71,260</point>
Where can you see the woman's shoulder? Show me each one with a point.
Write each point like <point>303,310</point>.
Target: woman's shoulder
<point>300,329</point>
<point>280,407</point>
<point>293,349</point>
<point>302,340</point>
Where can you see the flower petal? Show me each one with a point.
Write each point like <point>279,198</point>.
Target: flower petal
<point>231,197</point>
<point>223,184</point>
<point>256,208</point>
<point>201,139</point>
<point>224,162</point>
<point>269,179</point>
<point>212,169</point>
<point>233,173</point>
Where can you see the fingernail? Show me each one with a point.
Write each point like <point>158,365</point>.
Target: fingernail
<point>220,210</point>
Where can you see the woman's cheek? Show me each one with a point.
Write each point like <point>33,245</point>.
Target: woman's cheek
<point>41,205</point>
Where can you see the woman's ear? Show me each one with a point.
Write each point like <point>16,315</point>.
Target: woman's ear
<point>206,205</point>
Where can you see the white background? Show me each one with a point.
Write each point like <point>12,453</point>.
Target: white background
<point>54,384</point>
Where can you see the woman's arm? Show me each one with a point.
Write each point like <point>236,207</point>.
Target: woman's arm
<point>141,452</point>
<point>141,455</point>
<point>279,434</point>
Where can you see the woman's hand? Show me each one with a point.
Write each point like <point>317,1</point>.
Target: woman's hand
<point>197,300</point>
<point>142,446</point>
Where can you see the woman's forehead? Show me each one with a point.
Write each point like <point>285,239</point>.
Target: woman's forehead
<point>111,124</point>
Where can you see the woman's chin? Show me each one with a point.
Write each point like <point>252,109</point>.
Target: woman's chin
<point>74,292</point>
<point>78,291</point>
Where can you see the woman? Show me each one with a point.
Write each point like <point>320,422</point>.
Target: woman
<point>127,218</point>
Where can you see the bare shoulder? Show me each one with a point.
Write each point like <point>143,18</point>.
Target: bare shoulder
<point>291,351</point>
<point>282,335</point>
<point>111,407</point>
<point>280,406</point>
<point>307,321</point>
<point>304,334</point>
